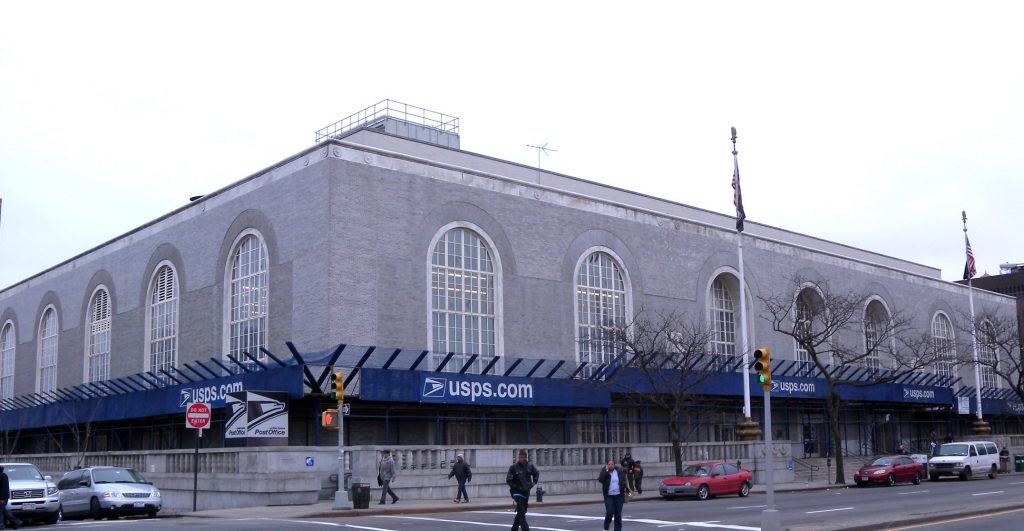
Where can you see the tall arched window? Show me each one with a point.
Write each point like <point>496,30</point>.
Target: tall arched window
<point>987,357</point>
<point>463,298</point>
<point>600,308</point>
<point>48,330</point>
<point>876,322</point>
<point>945,346</point>
<point>248,300</point>
<point>98,345</point>
<point>7,349</point>
<point>809,306</point>
<point>163,320</point>
<point>723,323</point>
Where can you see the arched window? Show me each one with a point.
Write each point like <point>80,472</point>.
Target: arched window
<point>48,330</point>
<point>987,357</point>
<point>463,299</point>
<point>163,320</point>
<point>876,322</point>
<point>945,346</point>
<point>809,307</point>
<point>600,308</point>
<point>7,348</point>
<point>98,345</point>
<point>723,323</point>
<point>248,299</point>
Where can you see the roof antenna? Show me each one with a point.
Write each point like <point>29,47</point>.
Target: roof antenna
<point>541,149</point>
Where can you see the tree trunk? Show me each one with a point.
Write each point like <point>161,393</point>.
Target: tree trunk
<point>832,404</point>
<point>677,445</point>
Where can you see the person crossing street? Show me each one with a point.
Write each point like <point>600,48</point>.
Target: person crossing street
<point>521,477</point>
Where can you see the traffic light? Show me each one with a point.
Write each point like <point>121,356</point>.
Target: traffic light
<point>330,419</point>
<point>763,366</point>
<point>338,387</point>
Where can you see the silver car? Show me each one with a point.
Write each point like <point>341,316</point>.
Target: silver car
<point>107,491</point>
<point>33,496</point>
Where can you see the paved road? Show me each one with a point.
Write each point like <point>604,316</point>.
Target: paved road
<point>843,508</point>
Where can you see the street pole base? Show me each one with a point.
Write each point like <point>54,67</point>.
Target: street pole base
<point>341,500</point>
<point>749,430</point>
<point>981,427</point>
<point>770,520</point>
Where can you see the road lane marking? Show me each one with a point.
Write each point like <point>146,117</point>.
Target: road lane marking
<point>913,492</point>
<point>830,510</point>
<point>987,493</point>
<point>471,522</point>
<point>962,519</point>
<point>710,524</point>
<point>749,507</point>
<point>1017,483</point>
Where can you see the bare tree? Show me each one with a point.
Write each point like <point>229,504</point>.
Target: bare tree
<point>82,429</point>
<point>999,348</point>
<point>837,330</point>
<point>669,356</point>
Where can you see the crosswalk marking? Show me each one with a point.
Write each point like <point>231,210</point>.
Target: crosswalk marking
<point>709,524</point>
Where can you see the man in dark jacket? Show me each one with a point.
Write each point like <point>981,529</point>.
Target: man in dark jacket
<point>521,477</point>
<point>5,496</point>
<point>462,474</point>
<point>627,467</point>
<point>613,486</point>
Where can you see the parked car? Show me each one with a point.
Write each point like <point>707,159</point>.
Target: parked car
<point>704,480</point>
<point>33,495</point>
<point>888,470</point>
<point>964,459</point>
<point>107,491</point>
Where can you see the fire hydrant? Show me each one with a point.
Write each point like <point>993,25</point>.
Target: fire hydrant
<point>540,494</point>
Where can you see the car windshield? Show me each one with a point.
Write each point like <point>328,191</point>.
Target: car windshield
<point>952,449</point>
<point>881,461</point>
<point>117,475</point>
<point>696,471</point>
<point>23,472</point>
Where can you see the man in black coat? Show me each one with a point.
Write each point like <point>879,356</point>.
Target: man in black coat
<point>521,477</point>
<point>627,467</point>
<point>613,486</point>
<point>462,474</point>
<point>5,495</point>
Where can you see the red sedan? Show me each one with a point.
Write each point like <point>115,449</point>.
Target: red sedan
<point>704,480</point>
<point>888,469</point>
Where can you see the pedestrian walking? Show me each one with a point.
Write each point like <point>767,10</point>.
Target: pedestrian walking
<point>385,475</point>
<point>5,495</point>
<point>627,467</point>
<point>638,477</point>
<point>462,474</point>
<point>613,487</point>
<point>521,477</point>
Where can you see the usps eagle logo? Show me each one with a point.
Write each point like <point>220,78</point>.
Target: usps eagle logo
<point>434,387</point>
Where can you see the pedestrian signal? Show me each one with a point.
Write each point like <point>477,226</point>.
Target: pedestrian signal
<point>330,420</point>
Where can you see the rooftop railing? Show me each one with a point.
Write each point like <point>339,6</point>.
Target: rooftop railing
<point>390,109</point>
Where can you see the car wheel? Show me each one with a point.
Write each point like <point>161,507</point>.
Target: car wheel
<point>890,481</point>
<point>56,517</point>
<point>744,490</point>
<point>917,478</point>
<point>95,511</point>
<point>992,473</point>
<point>702,492</point>
<point>151,514</point>
<point>966,474</point>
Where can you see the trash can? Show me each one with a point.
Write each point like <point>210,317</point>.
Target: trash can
<point>361,495</point>
<point>1018,462</point>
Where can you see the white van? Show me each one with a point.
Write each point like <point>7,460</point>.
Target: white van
<point>963,459</point>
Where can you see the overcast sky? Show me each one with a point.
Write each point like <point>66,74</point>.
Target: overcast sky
<point>867,123</point>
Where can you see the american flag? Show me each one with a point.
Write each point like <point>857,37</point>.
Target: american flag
<point>969,270</point>
<point>737,196</point>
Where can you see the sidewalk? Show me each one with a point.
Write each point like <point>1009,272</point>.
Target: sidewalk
<point>325,509</point>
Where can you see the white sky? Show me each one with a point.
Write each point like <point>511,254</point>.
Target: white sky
<point>867,123</point>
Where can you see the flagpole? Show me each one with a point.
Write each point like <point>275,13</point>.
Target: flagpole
<point>980,426</point>
<point>748,429</point>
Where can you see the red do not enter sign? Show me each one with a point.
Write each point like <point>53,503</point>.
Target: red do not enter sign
<point>197,415</point>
